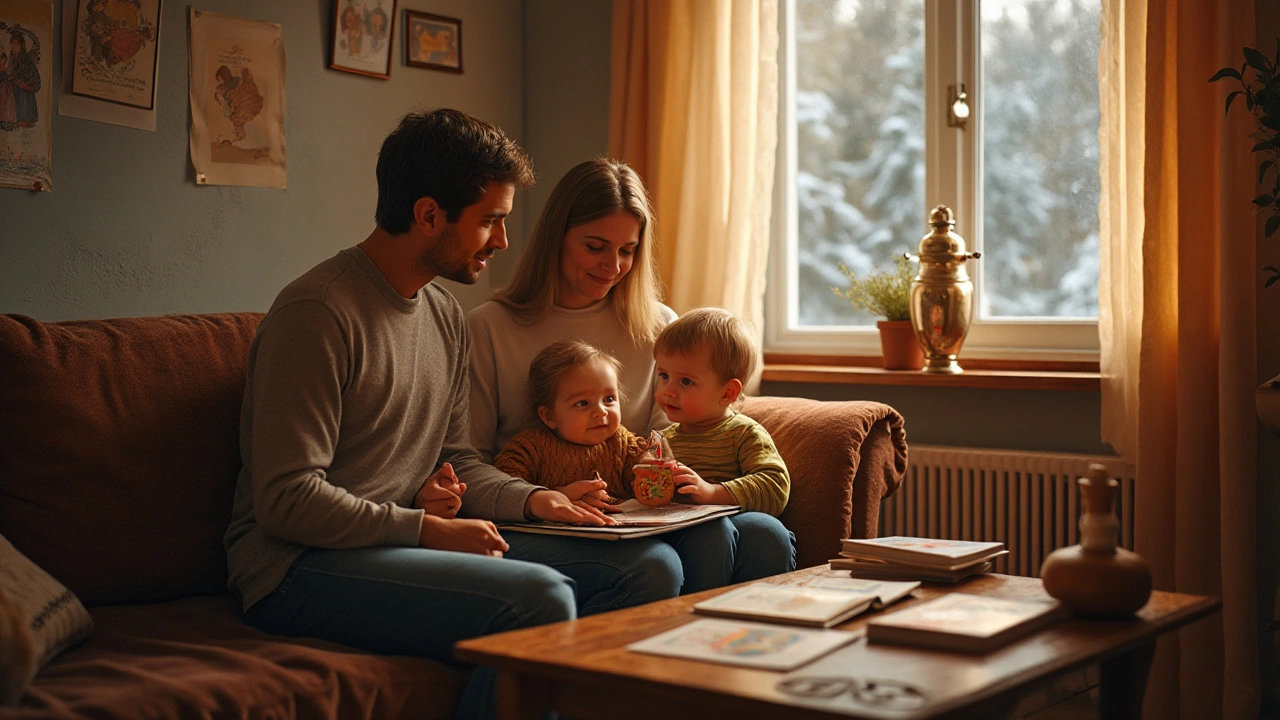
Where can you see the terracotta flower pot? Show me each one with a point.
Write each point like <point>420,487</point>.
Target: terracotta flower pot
<point>899,346</point>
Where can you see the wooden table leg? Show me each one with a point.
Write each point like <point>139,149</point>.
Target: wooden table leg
<point>1123,683</point>
<point>521,697</point>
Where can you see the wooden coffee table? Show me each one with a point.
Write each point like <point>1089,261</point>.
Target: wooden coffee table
<point>580,668</point>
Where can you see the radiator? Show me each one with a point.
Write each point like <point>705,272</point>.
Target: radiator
<point>1027,500</point>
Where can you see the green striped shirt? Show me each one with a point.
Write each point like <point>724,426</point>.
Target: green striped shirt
<point>739,454</point>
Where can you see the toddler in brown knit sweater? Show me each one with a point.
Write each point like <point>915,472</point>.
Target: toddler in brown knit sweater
<point>581,448</point>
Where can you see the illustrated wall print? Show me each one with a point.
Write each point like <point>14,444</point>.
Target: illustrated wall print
<point>433,41</point>
<point>362,37</point>
<point>86,107</point>
<point>237,101</point>
<point>26,135</point>
<point>115,51</point>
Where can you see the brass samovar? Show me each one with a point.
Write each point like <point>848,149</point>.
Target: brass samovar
<point>942,294</point>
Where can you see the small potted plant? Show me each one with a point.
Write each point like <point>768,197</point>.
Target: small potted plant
<point>1259,79</point>
<point>887,294</point>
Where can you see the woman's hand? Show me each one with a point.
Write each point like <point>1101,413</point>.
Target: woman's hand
<point>470,536</point>
<point>554,506</point>
<point>691,487</point>
<point>441,494</point>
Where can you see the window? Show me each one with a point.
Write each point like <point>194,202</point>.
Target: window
<point>865,150</point>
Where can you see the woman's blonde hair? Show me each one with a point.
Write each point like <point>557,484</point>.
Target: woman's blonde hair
<point>591,190</point>
<point>728,338</point>
<point>555,361</point>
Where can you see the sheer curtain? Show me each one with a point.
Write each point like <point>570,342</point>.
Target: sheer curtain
<point>1176,319</point>
<point>693,108</point>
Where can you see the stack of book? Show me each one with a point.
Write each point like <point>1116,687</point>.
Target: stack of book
<point>912,558</point>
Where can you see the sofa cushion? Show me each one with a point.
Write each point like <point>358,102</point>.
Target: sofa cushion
<point>52,619</point>
<point>844,458</point>
<point>119,450</point>
<point>196,658</point>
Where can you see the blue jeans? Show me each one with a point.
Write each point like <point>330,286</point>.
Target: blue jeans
<point>413,601</point>
<point>739,548</point>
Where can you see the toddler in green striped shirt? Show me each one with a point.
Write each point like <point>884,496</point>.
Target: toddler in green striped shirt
<point>703,360</point>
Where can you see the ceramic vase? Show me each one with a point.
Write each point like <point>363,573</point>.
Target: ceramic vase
<point>1097,578</point>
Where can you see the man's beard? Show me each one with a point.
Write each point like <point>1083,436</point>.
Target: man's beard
<point>442,258</point>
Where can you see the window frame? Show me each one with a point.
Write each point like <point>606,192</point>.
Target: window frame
<point>953,169</point>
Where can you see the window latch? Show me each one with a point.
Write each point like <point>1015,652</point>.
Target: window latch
<point>958,107</point>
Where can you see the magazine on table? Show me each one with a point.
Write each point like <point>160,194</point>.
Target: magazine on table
<point>822,603</point>
<point>734,642</point>
<point>635,520</point>
<point>964,622</point>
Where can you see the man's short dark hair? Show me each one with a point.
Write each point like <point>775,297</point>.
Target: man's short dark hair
<point>447,155</point>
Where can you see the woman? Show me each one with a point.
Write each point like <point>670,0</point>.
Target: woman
<point>588,273</point>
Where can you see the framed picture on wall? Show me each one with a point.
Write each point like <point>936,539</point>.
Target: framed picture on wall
<point>433,41</point>
<point>362,37</point>
<point>26,82</point>
<point>115,51</point>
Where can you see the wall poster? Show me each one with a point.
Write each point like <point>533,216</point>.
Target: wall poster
<point>26,64</point>
<point>115,51</point>
<point>237,101</point>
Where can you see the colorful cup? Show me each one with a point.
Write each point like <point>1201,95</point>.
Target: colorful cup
<point>654,484</point>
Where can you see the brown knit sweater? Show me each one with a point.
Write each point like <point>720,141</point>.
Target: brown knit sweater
<point>539,456</point>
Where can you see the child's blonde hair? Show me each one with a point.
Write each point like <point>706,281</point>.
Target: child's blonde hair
<point>555,361</point>
<point>729,337</point>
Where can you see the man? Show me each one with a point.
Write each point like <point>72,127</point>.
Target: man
<point>363,515</point>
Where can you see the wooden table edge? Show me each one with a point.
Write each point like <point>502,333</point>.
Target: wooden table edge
<point>465,651</point>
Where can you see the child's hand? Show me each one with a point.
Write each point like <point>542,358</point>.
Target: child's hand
<point>692,488</point>
<point>593,493</point>
<point>441,493</point>
<point>553,505</point>
<point>576,491</point>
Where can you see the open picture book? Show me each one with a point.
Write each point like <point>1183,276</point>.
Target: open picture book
<point>823,603</point>
<point>636,520</point>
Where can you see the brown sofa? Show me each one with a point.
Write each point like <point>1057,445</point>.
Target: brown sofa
<point>118,456</point>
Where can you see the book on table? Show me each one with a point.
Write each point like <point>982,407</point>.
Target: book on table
<point>817,604</point>
<point>635,520</point>
<point>736,642</point>
<point>925,552</point>
<point>963,622</point>
<point>881,570</point>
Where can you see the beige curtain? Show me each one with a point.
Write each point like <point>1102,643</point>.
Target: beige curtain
<point>693,108</point>
<point>1177,291</point>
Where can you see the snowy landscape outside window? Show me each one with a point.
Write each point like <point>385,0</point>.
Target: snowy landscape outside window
<point>865,152</point>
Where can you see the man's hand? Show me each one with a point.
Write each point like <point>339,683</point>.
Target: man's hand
<point>470,536</point>
<point>441,494</point>
<point>554,506</point>
<point>592,493</point>
<point>692,488</point>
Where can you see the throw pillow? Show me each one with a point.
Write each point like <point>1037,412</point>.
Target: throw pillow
<point>39,618</point>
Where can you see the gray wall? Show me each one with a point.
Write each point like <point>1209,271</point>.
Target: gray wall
<point>127,232</point>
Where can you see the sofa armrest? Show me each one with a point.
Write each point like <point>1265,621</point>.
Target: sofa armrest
<point>844,458</point>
